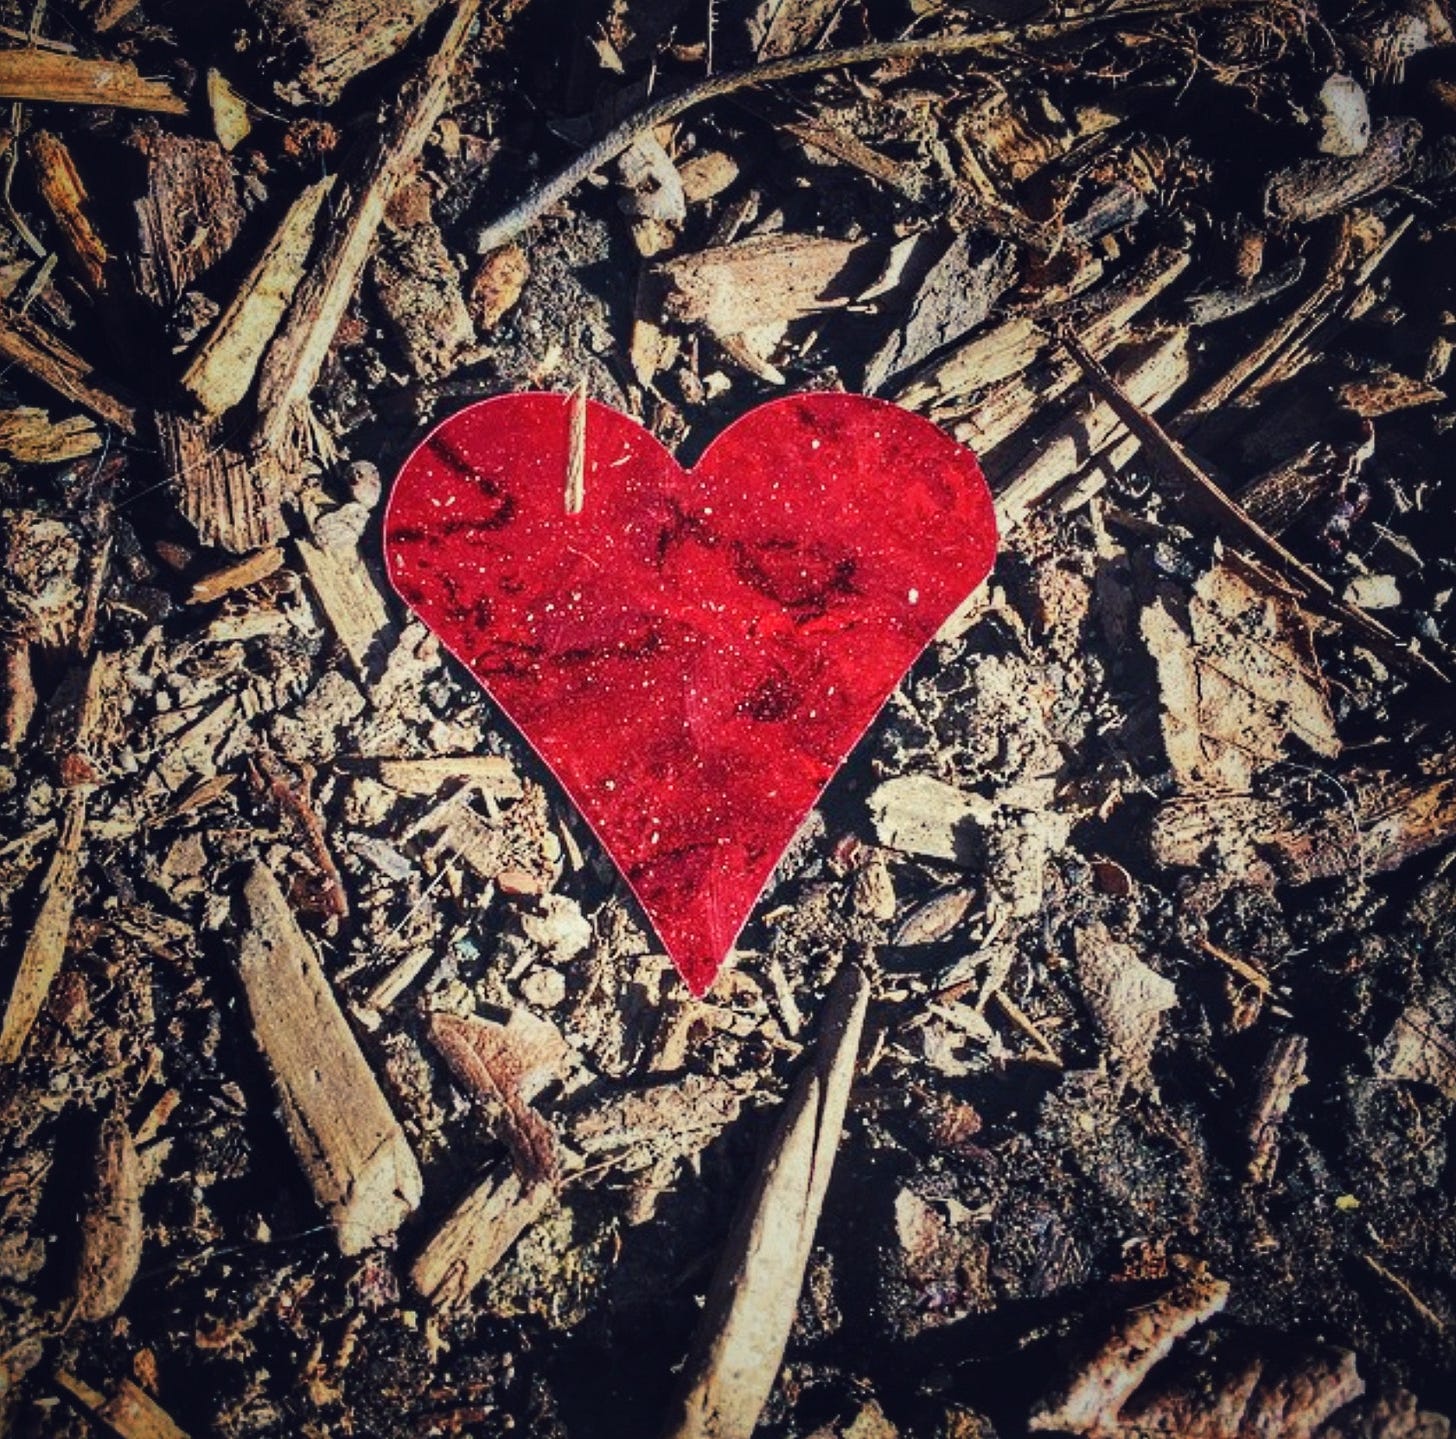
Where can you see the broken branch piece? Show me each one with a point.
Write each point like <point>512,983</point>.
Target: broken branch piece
<point>750,1309</point>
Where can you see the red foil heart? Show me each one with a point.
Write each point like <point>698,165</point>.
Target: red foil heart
<point>694,652</point>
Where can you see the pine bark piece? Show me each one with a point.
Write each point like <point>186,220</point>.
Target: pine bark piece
<point>25,343</point>
<point>222,371</point>
<point>477,1234</point>
<point>233,501</point>
<point>190,214</point>
<point>740,1341</point>
<point>349,1143</point>
<point>1315,188</point>
<point>130,1412</point>
<point>236,576</point>
<point>45,949</point>
<point>335,40</point>
<point>419,290</point>
<point>1282,1072</point>
<point>291,367</point>
<point>47,75</point>
<point>61,188</point>
<point>111,1225</point>
<point>1091,1400</point>
<point>504,1065</point>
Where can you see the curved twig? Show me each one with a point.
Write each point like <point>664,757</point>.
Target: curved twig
<point>623,136</point>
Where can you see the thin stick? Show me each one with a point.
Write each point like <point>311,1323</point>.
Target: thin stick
<point>622,137</point>
<point>576,451</point>
<point>1196,487</point>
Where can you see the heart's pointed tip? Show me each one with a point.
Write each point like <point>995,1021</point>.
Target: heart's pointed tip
<point>697,972</point>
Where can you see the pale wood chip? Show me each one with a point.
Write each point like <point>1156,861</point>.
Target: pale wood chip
<point>350,1145</point>
<point>45,949</point>
<point>111,1225</point>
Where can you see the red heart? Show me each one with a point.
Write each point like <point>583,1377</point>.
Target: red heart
<point>694,652</point>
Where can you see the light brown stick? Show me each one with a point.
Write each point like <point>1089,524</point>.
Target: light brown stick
<point>740,1341</point>
<point>1175,463</point>
<point>33,74</point>
<point>350,1145</point>
<point>291,366</point>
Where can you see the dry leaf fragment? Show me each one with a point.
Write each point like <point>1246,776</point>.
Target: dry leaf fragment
<point>111,1225</point>
<point>932,921</point>
<point>1126,998</point>
<point>230,122</point>
<point>505,1065</point>
<point>1237,676</point>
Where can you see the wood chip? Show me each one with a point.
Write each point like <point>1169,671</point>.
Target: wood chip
<point>1151,373</point>
<point>32,437</point>
<point>495,776</point>
<point>45,949</point>
<point>25,343</point>
<point>222,370</point>
<point>291,366</point>
<point>1315,188</point>
<point>476,1235</point>
<point>350,599</point>
<point>65,196</point>
<point>750,1307</point>
<point>111,1225</point>
<point>764,281</point>
<point>956,294</point>
<point>49,76</point>
<point>919,814</point>
<point>130,1412</point>
<point>351,1147</point>
<point>1282,1072</point>
<point>504,1065</point>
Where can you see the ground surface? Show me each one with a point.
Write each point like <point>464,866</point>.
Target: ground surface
<point>1148,860</point>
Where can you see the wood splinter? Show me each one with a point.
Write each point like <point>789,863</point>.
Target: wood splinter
<point>740,1341</point>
